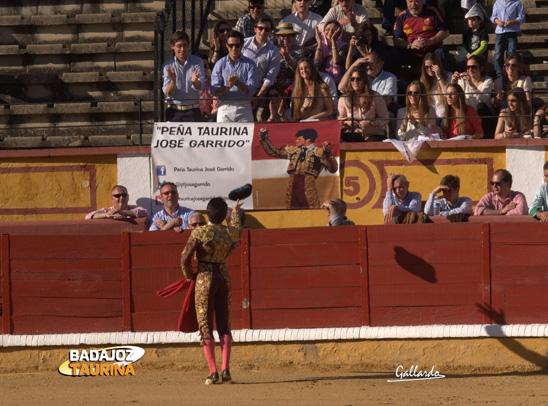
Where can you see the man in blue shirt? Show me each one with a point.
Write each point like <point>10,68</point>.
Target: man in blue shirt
<point>539,205</point>
<point>173,216</point>
<point>183,77</point>
<point>398,198</point>
<point>507,15</point>
<point>451,203</point>
<point>265,54</point>
<point>234,81</point>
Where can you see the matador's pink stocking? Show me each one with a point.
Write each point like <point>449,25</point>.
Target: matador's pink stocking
<point>226,346</point>
<point>209,349</point>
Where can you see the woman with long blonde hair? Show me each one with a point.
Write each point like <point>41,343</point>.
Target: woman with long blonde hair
<point>361,109</point>
<point>514,121</point>
<point>460,118</point>
<point>434,78</point>
<point>418,117</point>
<point>311,96</point>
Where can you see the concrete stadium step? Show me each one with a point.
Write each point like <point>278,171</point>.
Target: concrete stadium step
<point>99,56</point>
<point>68,86</point>
<point>538,70</point>
<point>27,8</point>
<point>76,108</point>
<point>60,29</point>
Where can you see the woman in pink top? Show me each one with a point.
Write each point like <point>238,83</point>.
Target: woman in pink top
<point>460,118</point>
<point>330,56</point>
<point>361,109</point>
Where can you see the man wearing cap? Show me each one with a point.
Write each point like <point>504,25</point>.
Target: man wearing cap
<point>183,78</point>
<point>264,53</point>
<point>304,22</point>
<point>246,23</point>
<point>348,14</point>
<point>234,81</point>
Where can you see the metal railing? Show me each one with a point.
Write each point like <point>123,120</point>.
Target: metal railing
<point>138,119</point>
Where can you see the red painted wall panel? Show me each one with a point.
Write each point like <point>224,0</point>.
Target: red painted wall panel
<point>411,316</point>
<point>311,318</point>
<point>519,269</point>
<point>302,278</point>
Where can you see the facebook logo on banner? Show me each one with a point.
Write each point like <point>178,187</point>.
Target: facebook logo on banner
<point>161,170</point>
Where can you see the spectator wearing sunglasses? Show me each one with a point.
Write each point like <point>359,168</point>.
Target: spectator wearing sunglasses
<point>172,216</point>
<point>478,87</point>
<point>234,81</point>
<point>266,56</point>
<point>246,24</point>
<point>120,209</point>
<point>513,76</point>
<point>502,200</point>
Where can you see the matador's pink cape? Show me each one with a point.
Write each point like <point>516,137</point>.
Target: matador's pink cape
<point>187,320</point>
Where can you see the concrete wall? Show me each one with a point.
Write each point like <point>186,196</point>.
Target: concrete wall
<point>66,184</point>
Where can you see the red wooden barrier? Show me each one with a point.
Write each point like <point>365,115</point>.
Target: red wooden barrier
<point>289,278</point>
<point>73,227</point>
<point>426,274</point>
<point>65,284</point>
<point>519,267</point>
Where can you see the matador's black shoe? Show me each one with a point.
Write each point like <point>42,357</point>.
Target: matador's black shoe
<point>211,379</point>
<point>225,376</point>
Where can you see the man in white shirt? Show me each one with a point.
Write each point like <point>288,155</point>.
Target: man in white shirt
<point>348,14</point>
<point>304,22</point>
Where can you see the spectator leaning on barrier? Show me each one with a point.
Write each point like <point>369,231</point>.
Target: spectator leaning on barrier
<point>196,220</point>
<point>539,205</point>
<point>398,198</point>
<point>183,77</point>
<point>120,208</point>
<point>336,213</point>
<point>502,200</point>
<point>234,81</point>
<point>451,203</point>
<point>172,216</point>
